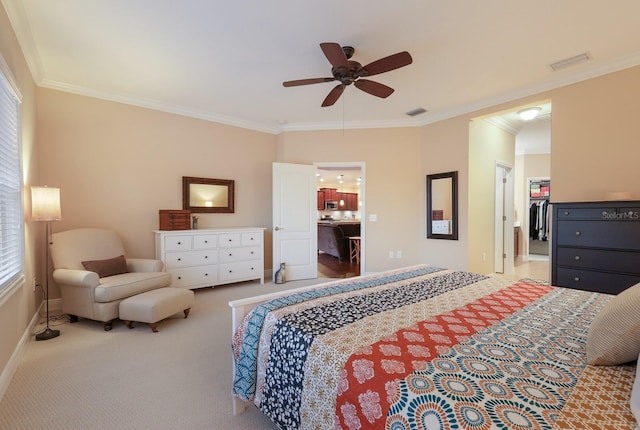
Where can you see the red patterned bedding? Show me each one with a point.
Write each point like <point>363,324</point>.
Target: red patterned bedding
<point>424,347</point>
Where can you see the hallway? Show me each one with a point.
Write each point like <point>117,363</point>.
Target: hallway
<point>532,266</point>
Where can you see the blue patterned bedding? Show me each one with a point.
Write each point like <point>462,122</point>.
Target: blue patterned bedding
<point>422,348</point>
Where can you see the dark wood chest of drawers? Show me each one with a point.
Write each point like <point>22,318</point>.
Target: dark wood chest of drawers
<point>596,245</point>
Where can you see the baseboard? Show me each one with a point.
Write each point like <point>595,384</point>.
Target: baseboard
<point>14,361</point>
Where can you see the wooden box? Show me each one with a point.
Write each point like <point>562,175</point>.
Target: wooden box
<point>171,219</point>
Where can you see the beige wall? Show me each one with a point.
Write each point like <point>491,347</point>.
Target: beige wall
<point>595,138</point>
<point>18,307</point>
<point>393,184</point>
<point>488,145</point>
<point>117,165</point>
<point>444,147</point>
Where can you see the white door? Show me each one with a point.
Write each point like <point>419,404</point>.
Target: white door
<point>295,220</point>
<point>503,230</point>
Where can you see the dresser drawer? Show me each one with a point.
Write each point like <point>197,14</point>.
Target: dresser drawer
<point>241,270</point>
<point>599,234</point>
<point>178,243</point>
<point>205,241</point>
<point>602,282</point>
<point>583,213</point>
<point>253,238</point>
<point>229,239</point>
<point>194,277</point>
<point>240,254</point>
<point>608,260</point>
<point>191,258</point>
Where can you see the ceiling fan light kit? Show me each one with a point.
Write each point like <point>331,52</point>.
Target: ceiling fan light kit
<point>347,72</point>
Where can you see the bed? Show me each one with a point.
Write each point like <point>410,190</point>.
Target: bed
<point>426,347</point>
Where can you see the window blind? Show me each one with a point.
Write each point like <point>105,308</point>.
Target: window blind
<point>11,222</point>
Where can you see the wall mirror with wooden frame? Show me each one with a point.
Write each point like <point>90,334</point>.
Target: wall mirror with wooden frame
<point>442,206</point>
<point>203,195</point>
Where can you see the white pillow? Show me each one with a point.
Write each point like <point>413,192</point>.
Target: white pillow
<point>635,396</point>
<point>614,335</point>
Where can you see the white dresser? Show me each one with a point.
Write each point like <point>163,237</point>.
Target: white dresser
<point>209,257</point>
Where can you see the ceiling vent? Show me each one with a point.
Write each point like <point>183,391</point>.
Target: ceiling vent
<point>572,61</point>
<point>416,112</point>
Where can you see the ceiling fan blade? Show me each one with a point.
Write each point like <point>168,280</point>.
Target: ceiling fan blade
<point>307,81</point>
<point>335,55</point>
<point>333,95</point>
<point>387,64</point>
<point>374,88</point>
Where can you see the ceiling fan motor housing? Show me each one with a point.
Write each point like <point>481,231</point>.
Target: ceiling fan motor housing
<point>347,76</point>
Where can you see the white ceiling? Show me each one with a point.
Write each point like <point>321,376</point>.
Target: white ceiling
<point>225,61</point>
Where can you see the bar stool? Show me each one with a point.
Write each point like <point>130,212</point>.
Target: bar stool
<point>354,249</point>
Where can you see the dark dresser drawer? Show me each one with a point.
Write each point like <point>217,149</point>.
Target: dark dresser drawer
<point>606,212</point>
<point>595,259</point>
<point>599,234</point>
<point>602,282</point>
<point>596,245</point>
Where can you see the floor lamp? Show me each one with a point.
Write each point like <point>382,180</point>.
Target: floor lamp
<point>45,206</point>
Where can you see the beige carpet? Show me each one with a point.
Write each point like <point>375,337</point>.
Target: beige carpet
<point>178,378</point>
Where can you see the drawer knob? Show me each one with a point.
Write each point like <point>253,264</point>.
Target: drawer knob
<point>230,271</point>
<point>206,274</point>
<point>251,252</point>
<point>578,233</point>
<point>179,277</point>
<point>577,279</point>
<point>577,257</point>
<point>566,213</point>
<point>230,255</point>
<point>206,256</point>
<point>229,240</point>
<point>179,243</point>
<point>179,259</point>
<point>206,241</point>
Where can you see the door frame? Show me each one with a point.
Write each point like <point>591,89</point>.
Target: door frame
<point>362,166</point>
<point>506,210</point>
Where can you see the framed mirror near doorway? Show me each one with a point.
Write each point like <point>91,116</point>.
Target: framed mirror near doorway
<point>442,206</point>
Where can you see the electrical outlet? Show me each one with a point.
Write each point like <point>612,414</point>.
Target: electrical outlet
<point>484,256</point>
<point>35,283</point>
<point>390,254</point>
<point>398,254</point>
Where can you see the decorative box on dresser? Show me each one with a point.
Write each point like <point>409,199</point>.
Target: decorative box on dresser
<point>596,245</point>
<point>209,257</point>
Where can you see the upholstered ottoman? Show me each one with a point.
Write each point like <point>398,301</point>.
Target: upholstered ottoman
<point>155,305</point>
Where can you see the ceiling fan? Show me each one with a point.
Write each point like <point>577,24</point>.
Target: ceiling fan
<point>350,72</point>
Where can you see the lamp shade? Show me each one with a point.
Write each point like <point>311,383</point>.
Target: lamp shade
<point>45,204</point>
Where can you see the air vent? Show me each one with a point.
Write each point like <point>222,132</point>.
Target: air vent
<point>572,61</point>
<point>416,112</point>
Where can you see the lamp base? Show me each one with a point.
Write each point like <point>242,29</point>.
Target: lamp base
<point>47,334</point>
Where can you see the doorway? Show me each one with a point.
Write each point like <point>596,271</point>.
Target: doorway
<point>341,206</point>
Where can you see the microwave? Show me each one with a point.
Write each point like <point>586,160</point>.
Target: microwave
<point>331,205</point>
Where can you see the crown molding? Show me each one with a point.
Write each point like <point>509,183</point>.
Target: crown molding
<point>159,106</point>
<point>19,23</point>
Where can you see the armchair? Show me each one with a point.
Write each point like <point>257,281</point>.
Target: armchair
<point>84,292</point>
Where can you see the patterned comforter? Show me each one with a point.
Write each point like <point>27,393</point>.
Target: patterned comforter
<point>425,347</point>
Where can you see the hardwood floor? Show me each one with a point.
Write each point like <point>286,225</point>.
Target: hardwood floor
<point>330,267</point>
<point>536,267</point>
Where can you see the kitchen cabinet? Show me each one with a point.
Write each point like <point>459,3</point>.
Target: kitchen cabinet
<point>350,201</point>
